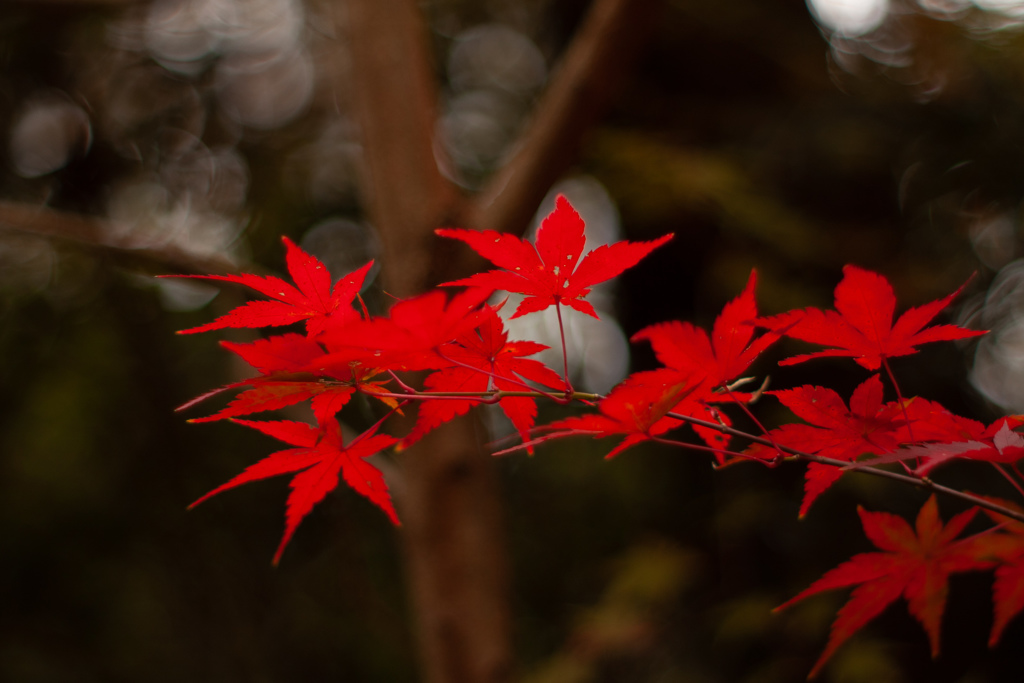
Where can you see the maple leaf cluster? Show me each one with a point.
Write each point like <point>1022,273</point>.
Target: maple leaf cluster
<point>459,345</point>
<point>461,340</point>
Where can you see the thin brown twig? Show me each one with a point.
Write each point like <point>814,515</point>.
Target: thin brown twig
<point>482,396</point>
<point>918,482</point>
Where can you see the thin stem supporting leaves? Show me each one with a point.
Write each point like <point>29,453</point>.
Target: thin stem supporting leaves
<point>565,354</point>
<point>918,482</point>
<point>563,400</point>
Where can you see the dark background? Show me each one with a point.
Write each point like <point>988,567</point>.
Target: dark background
<point>194,139</point>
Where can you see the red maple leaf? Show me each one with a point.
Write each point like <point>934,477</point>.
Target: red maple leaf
<point>725,355</point>
<point>636,408</point>
<point>281,359</point>
<point>311,299</point>
<point>933,422</point>
<point>485,360</point>
<point>720,359</point>
<point>408,338</point>
<point>835,431</point>
<point>319,457</point>
<point>272,395</point>
<point>915,565</point>
<point>552,273</point>
<point>861,327</point>
<point>278,353</point>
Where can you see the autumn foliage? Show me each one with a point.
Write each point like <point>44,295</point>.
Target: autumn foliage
<point>455,340</point>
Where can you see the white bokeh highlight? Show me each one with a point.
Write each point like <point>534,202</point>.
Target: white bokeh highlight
<point>849,17</point>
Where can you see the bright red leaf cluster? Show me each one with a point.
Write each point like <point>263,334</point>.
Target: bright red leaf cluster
<point>461,341</point>
<point>345,352</point>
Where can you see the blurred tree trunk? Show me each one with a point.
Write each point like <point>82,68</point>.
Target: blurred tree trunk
<point>449,498</point>
<point>455,550</point>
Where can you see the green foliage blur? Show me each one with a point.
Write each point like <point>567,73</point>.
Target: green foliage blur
<point>761,137</point>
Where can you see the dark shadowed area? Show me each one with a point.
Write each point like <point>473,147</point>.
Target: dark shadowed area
<point>187,136</point>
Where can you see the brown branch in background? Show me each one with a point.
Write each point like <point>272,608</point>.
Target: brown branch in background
<point>101,234</point>
<point>596,63</point>
<point>396,102</point>
<point>449,500</point>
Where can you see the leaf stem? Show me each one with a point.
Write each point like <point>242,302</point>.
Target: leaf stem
<point>751,415</point>
<point>562,400</point>
<point>1013,482</point>
<point>899,397</point>
<point>376,425</point>
<point>362,304</point>
<point>565,354</point>
<point>402,384</point>
<point>706,449</point>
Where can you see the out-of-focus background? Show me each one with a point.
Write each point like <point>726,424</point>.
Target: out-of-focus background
<point>173,136</point>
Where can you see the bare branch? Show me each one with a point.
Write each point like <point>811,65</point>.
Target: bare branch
<point>450,503</point>
<point>102,234</point>
<point>917,482</point>
<point>595,64</point>
<point>395,95</point>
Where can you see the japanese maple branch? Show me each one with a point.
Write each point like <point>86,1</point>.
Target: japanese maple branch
<point>489,397</point>
<point>485,397</point>
<point>919,482</point>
